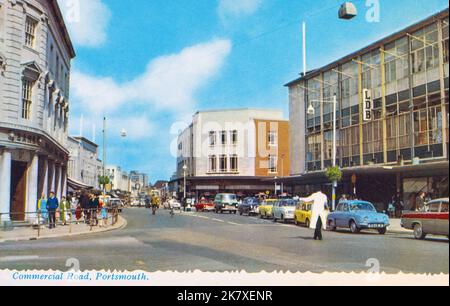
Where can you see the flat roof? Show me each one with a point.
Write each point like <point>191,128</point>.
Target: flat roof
<point>383,41</point>
<point>239,109</point>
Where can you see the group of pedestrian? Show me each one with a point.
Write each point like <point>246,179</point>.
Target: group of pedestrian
<point>51,208</point>
<point>90,207</point>
<point>87,207</point>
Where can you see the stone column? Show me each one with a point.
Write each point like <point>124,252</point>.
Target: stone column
<point>58,182</point>
<point>45,170</point>
<point>32,192</point>
<point>5,184</point>
<point>64,182</point>
<point>53,177</point>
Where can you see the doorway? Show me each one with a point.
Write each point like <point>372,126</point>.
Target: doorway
<point>18,190</point>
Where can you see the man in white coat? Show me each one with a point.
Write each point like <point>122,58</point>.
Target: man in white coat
<point>319,213</point>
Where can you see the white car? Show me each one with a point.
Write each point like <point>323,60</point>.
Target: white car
<point>284,210</point>
<point>172,203</point>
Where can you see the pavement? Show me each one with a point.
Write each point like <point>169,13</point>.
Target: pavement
<point>30,233</point>
<point>226,243</point>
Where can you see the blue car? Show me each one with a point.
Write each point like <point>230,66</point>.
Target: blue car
<point>357,216</point>
<point>249,206</point>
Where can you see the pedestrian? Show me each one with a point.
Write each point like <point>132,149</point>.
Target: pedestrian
<point>94,203</point>
<point>52,206</point>
<point>420,201</point>
<point>42,207</point>
<point>84,204</point>
<point>104,213</point>
<point>63,208</point>
<point>78,213</point>
<point>398,206</point>
<point>319,213</point>
<point>343,198</point>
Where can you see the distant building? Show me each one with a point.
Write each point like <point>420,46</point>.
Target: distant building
<point>35,61</point>
<point>233,151</point>
<point>120,179</point>
<point>400,143</point>
<point>84,166</point>
<point>139,182</point>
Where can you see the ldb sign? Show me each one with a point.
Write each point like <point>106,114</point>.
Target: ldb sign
<point>367,105</point>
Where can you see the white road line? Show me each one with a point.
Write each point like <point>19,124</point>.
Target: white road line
<point>17,258</point>
<point>218,220</point>
<point>232,223</point>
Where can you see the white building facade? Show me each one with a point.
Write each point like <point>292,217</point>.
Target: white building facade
<point>120,180</point>
<point>84,167</point>
<point>35,56</point>
<point>221,143</point>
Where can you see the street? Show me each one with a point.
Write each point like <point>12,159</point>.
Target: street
<point>211,242</point>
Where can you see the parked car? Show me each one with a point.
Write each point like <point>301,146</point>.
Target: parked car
<point>265,209</point>
<point>205,205</point>
<point>226,202</point>
<point>303,214</point>
<point>172,203</point>
<point>432,221</point>
<point>358,215</point>
<point>116,203</point>
<point>284,210</point>
<point>249,206</point>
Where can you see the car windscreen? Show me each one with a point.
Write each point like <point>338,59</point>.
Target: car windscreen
<point>229,198</point>
<point>251,201</point>
<point>361,207</point>
<point>290,203</point>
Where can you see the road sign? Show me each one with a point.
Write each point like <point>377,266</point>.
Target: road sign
<point>367,105</point>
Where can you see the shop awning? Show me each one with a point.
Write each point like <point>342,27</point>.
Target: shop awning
<point>77,186</point>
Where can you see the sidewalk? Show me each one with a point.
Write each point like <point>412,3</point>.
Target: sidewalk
<point>29,233</point>
<point>396,228</point>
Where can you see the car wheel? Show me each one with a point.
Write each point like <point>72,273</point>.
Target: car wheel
<point>382,231</point>
<point>331,226</point>
<point>307,223</point>
<point>241,213</point>
<point>295,221</point>
<point>354,227</point>
<point>274,219</point>
<point>418,232</point>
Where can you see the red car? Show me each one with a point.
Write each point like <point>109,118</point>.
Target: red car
<point>433,220</point>
<point>205,205</point>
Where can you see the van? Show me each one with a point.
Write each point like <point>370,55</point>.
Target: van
<point>226,202</point>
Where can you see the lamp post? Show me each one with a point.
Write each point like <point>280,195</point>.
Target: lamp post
<point>312,111</point>
<point>185,168</point>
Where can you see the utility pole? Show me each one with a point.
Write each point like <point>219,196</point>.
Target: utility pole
<point>104,153</point>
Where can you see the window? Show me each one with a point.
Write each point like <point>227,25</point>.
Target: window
<point>234,163</point>
<point>212,164</point>
<point>27,98</point>
<point>234,137</point>
<point>30,32</point>
<point>223,163</point>
<point>212,139</point>
<point>223,137</point>
<point>273,139</point>
<point>273,160</point>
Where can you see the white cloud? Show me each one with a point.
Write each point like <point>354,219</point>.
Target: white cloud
<point>237,8</point>
<point>169,82</point>
<point>87,21</point>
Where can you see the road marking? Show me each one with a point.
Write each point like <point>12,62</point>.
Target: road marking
<point>18,258</point>
<point>203,217</point>
<point>232,223</point>
<point>218,220</point>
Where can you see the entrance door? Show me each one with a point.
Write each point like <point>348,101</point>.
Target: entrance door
<point>18,190</point>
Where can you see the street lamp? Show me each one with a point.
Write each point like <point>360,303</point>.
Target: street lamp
<point>312,111</point>
<point>185,168</point>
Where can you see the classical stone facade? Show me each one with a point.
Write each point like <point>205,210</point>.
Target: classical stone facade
<point>35,55</point>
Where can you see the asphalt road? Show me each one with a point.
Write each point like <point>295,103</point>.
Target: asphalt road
<point>210,242</point>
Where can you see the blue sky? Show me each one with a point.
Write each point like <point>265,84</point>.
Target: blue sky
<point>149,65</point>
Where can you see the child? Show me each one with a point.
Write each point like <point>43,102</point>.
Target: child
<point>78,213</point>
<point>104,213</point>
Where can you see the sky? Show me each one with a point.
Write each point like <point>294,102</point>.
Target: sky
<point>149,65</point>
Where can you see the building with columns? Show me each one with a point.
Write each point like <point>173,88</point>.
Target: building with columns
<point>35,56</point>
